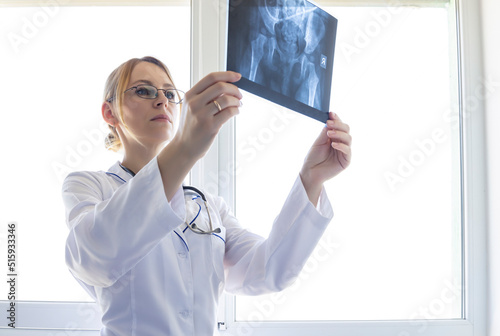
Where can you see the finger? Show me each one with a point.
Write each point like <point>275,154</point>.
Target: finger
<point>333,116</point>
<point>338,125</point>
<point>229,107</point>
<point>205,100</point>
<point>340,137</point>
<point>212,78</point>
<point>343,148</point>
<point>219,89</point>
<point>225,114</point>
<point>224,102</point>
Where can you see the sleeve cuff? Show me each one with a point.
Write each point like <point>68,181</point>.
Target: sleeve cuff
<point>178,203</point>
<point>323,207</point>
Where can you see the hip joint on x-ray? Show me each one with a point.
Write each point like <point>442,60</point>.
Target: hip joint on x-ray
<point>284,51</point>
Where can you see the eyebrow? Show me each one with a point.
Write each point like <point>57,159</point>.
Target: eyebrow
<point>145,81</point>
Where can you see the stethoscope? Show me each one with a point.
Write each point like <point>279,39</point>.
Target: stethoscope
<point>191,225</point>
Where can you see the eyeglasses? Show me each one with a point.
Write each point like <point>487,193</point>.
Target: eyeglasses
<point>150,92</point>
<point>193,225</point>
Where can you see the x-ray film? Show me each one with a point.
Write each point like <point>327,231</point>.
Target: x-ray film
<point>284,50</point>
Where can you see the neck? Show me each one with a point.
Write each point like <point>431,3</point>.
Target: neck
<point>137,156</point>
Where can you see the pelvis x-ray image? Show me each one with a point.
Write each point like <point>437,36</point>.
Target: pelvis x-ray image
<point>284,50</point>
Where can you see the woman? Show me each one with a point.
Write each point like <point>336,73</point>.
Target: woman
<point>154,256</point>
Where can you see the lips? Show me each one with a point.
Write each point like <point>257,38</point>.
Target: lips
<point>162,117</point>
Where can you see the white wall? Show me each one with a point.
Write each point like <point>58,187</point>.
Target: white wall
<point>491,43</point>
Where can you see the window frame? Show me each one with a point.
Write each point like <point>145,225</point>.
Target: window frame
<point>216,172</point>
<point>217,169</point>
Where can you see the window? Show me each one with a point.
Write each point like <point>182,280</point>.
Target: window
<point>54,64</point>
<point>398,257</point>
<point>395,241</point>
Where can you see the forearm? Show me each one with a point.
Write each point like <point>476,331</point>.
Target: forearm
<point>257,266</point>
<point>174,164</point>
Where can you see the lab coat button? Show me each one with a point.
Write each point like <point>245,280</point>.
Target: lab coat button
<point>181,255</point>
<point>185,313</point>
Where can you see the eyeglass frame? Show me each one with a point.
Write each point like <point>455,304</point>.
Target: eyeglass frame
<point>109,100</point>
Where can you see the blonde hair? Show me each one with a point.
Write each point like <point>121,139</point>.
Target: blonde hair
<point>113,94</point>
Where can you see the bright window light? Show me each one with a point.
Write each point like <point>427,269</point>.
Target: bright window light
<point>393,249</point>
<point>54,63</point>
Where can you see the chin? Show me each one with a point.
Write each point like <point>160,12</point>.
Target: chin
<point>167,140</point>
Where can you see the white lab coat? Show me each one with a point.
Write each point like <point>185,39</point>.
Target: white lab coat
<point>131,250</point>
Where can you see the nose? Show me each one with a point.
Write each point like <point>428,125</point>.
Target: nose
<point>161,98</point>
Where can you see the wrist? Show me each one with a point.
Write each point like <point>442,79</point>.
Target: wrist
<point>311,185</point>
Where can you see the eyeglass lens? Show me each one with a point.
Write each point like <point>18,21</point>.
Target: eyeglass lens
<point>150,92</point>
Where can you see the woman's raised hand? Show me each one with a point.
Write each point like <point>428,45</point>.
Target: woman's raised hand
<point>206,107</point>
<point>329,155</point>
<point>200,121</point>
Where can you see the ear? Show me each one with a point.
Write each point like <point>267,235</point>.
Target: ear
<point>107,114</point>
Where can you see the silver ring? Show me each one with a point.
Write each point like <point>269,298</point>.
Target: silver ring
<point>218,105</point>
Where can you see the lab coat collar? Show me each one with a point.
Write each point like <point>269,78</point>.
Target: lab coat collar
<point>117,170</point>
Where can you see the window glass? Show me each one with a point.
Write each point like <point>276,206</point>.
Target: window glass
<point>54,62</point>
<point>393,248</point>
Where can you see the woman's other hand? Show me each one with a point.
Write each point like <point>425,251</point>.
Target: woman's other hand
<point>329,155</point>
